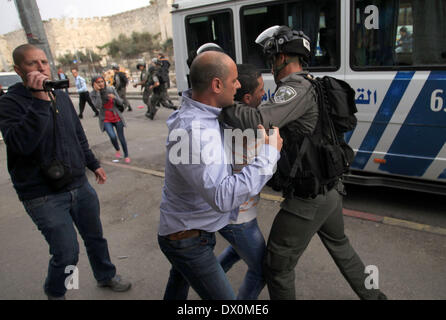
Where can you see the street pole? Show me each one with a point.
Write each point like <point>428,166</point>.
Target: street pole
<point>35,33</point>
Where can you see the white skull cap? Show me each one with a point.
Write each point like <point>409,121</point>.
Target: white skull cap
<point>210,46</point>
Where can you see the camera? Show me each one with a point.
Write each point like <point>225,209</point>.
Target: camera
<point>57,174</point>
<point>49,85</point>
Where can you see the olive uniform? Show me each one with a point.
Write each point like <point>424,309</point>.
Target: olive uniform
<point>145,87</point>
<point>159,93</point>
<point>294,108</point>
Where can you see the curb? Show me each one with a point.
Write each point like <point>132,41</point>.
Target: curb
<point>347,212</point>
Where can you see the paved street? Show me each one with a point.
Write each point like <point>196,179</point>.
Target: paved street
<point>411,263</point>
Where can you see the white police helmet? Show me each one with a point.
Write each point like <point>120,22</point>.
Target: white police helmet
<point>282,39</point>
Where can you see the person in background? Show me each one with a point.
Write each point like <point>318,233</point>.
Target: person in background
<point>108,102</point>
<point>145,81</point>
<point>84,96</point>
<point>62,76</point>
<point>120,82</point>
<point>158,86</point>
<point>165,65</point>
<point>404,44</point>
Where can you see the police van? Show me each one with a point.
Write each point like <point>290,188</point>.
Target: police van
<point>392,52</point>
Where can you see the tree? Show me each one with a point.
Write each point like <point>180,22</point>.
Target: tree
<point>88,57</point>
<point>133,46</point>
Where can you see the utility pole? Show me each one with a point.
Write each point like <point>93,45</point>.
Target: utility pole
<point>35,33</point>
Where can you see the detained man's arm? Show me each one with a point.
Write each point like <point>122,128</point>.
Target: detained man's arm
<point>275,112</point>
<point>224,191</point>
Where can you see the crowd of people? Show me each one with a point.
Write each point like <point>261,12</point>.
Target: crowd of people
<point>199,198</point>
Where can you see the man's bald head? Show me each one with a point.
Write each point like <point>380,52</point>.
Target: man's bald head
<point>208,66</point>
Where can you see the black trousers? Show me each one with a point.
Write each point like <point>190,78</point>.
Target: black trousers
<point>84,97</point>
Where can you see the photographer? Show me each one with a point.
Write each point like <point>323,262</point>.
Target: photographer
<point>47,152</point>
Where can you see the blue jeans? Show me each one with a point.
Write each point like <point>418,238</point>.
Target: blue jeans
<point>194,263</point>
<point>108,127</point>
<point>247,243</point>
<point>54,216</point>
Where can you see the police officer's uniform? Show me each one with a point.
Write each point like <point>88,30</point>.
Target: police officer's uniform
<point>146,91</point>
<point>294,109</point>
<point>159,96</point>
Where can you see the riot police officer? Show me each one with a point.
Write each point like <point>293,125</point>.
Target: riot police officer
<point>294,109</point>
<point>144,82</point>
<point>120,82</point>
<point>158,85</point>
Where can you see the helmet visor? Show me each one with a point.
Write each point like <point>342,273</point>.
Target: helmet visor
<point>267,34</point>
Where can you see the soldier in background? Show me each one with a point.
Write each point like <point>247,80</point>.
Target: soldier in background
<point>158,85</point>
<point>144,83</point>
<point>121,81</point>
<point>165,65</point>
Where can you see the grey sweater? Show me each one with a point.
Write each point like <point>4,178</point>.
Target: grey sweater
<point>97,101</point>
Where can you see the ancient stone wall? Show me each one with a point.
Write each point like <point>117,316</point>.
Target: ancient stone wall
<point>70,35</point>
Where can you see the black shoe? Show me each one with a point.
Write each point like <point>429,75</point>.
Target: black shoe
<point>129,109</point>
<point>382,296</point>
<point>80,116</point>
<point>50,297</point>
<point>116,284</point>
<point>96,115</point>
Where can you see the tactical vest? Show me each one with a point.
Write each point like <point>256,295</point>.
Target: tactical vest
<point>312,164</point>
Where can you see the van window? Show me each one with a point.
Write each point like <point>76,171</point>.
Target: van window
<point>398,33</point>
<point>210,27</point>
<point>319,19</point>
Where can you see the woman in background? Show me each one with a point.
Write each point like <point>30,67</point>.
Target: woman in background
<point>108,102</point>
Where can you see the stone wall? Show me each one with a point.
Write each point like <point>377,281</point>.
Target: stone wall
<point>69,35</point>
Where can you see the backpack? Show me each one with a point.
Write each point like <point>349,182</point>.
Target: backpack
<point>312,164</point>
<point>121,80</point>
<point>163,76</point>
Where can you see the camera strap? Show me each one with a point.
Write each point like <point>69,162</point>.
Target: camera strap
<point>55,111</point>
<point>36,90</point>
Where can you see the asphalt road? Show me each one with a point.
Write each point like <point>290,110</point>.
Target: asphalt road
<point>411,263</point>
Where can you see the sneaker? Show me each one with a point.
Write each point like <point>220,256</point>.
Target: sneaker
<point>127,160</point>
<point>118,154</point>
<point>116,284</point>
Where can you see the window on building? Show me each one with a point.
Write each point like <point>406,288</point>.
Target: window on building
<point>319,19</point>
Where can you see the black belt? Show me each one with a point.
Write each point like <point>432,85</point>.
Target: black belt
<point>183,235</point>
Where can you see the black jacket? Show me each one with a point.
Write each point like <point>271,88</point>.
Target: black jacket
<point>27,127</point>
